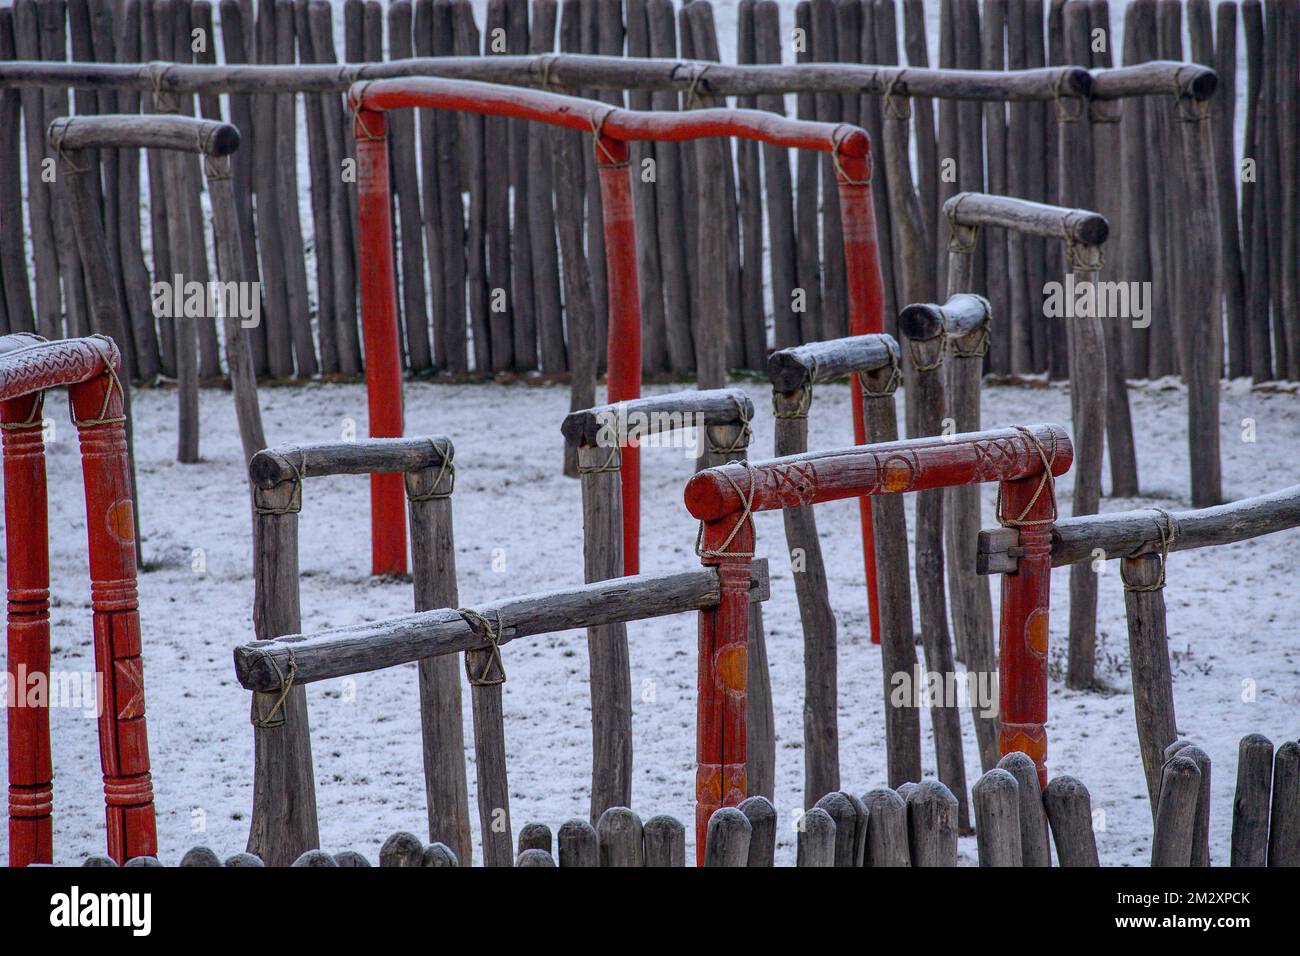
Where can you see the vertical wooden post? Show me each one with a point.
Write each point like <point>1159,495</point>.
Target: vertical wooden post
<point>897,638</point>
<point>1029,505</point>
<point>284,822</point>
<point>433,565</point>
<point>624,340</point>
<point>541,216</point>
<point>972,607</point>
<point>820,657</point>
<point>231,267</point>
<point>925,342</point>
<point>1143,577</point>
<point>99,415</point>
<point>611,683</point>
<point>31,789</point>
<point>379,327</point>
<point>807,200</point>
<point>486,675</point>
<point>721,762</point>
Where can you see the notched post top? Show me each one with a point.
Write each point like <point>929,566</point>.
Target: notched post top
<point>1076,226</point>
<point>816,362</point>
<point>154,131</point>
<point>657,414</point>
<point>368,456</point>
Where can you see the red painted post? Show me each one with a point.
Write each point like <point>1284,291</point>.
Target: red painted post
<point>866,312</point>
<point>379,333</point>
<point>110,530</point>
<point>31,791</point>
<point>623,359</point>
<point>1022,628</point>
<point>724,498</point>
<point>89,367</point>
<point>720,773</point>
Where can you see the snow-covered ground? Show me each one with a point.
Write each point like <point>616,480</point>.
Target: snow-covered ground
<point>1232,614</point>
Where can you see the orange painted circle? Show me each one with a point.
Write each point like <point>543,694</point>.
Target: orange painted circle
<point>120,520</point>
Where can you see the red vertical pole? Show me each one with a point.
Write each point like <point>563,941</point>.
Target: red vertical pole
<point>110,529</point>
<point>31,791</point>
<point>379,333</point>
<point>623,361</point>
<point>720,769</point>
<point>866,315</point>
<point>1023,627</point>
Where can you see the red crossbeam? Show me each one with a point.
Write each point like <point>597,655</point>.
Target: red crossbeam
<point>724,499</point>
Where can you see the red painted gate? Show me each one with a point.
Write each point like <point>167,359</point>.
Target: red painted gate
<point>1023,460</point>
<point>613,129</point>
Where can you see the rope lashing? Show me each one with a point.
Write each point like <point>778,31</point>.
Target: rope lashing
<point>1081,256</point>
<point>214,170</point>
<point>598,130</point>
<point>891,384</point>
<point>113,382</point>
<point>746,515</point>
<point>981,346</point>
<point>547,61</point>
<point>446,470</point>
<point>741,442</point>
<point>354,106</point>
<point>295,500</point>
<point>286,684</point>
<point>1168,532</point>
<point>492,632</point>
<point>1063,113</point>
<point>961,238</point>
<point>613,463</point>
<point>1046,482</point>
<point>921,365</point>
<point>693,99</point>
<point>805,396</point>
<point>893,97</point>
<point>71,167</point>
<point>837,143</point>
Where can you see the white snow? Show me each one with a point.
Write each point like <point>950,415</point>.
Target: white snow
<point>1231,618</point>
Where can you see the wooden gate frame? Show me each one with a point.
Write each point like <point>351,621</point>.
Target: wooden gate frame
<point>1024,460</point>
<point>283,823</point>
<point>726,414</point>
<point>440,635</point>
<point>872,362</point>
<point>613,129</point>
<point>88,367</point>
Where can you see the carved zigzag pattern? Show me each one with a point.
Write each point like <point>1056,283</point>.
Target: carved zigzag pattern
<point>52,364</point>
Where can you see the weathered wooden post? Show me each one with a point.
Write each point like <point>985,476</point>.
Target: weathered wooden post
<point>960,328</point>
<point>601,436</point>
<point>89,368</point>
<point>284,819</point>
<point>923,338</point>
<point>794,372</point>
<point>1083,233</point>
